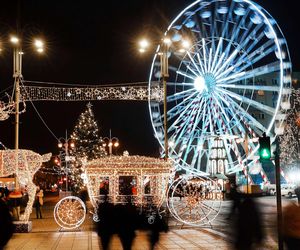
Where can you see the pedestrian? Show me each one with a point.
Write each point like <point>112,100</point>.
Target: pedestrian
<point>14,199</point>
<point>39,202</point>
<point>249,233</point>
<point>6,225</point>
<point>235,196</point>
<point>291,226</point>
<point>158,225</point>
<point>106,226</point>
<point>297,192</point>
<point>127,223</point>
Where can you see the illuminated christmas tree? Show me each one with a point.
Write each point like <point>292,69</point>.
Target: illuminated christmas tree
<point>290,140</point>
<point>88,144</point>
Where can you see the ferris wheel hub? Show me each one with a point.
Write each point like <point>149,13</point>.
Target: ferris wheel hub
<point>205,83</point>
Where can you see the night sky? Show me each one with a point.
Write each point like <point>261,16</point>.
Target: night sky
<point>94,42</point>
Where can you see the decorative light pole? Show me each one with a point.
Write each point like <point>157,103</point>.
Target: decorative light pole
<point>66,144</point>
<point>163,51</point>
<point>17,75</point>
<point>110,142</point>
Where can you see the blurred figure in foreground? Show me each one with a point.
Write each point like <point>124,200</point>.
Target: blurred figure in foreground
<point>249,231</point>
<point>235,196</point>
<point>297,192</point>
<point>127,223</point>
<point>6,225</point>
<point>106,225</point>
<point>156,226</point>
<point>291,226</point>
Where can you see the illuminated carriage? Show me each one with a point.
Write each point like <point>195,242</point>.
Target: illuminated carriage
<point>142,180</point>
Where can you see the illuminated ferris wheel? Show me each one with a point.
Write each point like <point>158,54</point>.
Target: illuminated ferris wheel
<point>232,80</point>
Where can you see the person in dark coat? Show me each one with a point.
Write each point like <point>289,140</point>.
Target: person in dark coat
<point>235,196</point>
<point>127,219</point>
<point>248,225</point>
<point>106,226</point>
<point>291,226</point>
<point>158,225</point>
<point>6,224</point>
<point>297,192</point>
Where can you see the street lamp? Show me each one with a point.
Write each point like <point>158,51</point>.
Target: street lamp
<point>66,144</point>
<point>163,51</point>
<point>17,75</point>
<point>110,142</point>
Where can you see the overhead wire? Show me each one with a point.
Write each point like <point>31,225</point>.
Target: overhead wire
<point>39,115</point>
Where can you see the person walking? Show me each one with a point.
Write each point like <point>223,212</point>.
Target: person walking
<point>6,228</point>
<point>291,226</point>
<point>106,225</point>
<point>297,192</point>
<point>38,203</point>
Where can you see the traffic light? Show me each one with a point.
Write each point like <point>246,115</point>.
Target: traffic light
<point>264,147</point>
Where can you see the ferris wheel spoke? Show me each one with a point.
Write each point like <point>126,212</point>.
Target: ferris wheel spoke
<point>201,69</point>
<point>183,84</point>
<point>181,95</point>
<point>189,106</point>
<point>236,77</point>
<point>240,127</point>
<point>256,55</point>
<point>253,87</point>
<point>216,54</point>
<point>185,75</point>
<point>204,54</point>
<point>180,107</point>
<point>253,103</point>
<point>209,59</point>
<point>227,62</point>
<point>243,112</point>
<point>220,60</point>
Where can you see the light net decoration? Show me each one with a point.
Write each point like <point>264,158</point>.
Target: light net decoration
<point>24,164</point>
<point>69,212</point>
<point>90,93</point>
<point>149,179</point>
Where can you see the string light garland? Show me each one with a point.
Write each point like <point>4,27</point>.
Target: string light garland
<point>89,93</point>
<point>24,164</point>
<point>145,170</point>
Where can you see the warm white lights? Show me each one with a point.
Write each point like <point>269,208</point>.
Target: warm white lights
<point>186,44</point>
<point>35,93</point>
<point>23,163</point>
<point>167,41</point>
<point>143,45</point>
<point>156,171</point>
<point>14,39</point>
<point>38,43</point>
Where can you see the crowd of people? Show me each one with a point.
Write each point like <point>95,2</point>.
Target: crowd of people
<point>123,220</point>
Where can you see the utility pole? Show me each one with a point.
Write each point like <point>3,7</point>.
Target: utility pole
<point>278,196</point>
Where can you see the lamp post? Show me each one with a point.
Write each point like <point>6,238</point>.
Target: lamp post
<point>110,142</point>
<point>17,75</point>
<point>66,144</point>
<point>163,51</point>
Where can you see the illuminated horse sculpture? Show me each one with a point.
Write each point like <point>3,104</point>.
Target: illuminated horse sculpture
<point>24,164</point>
